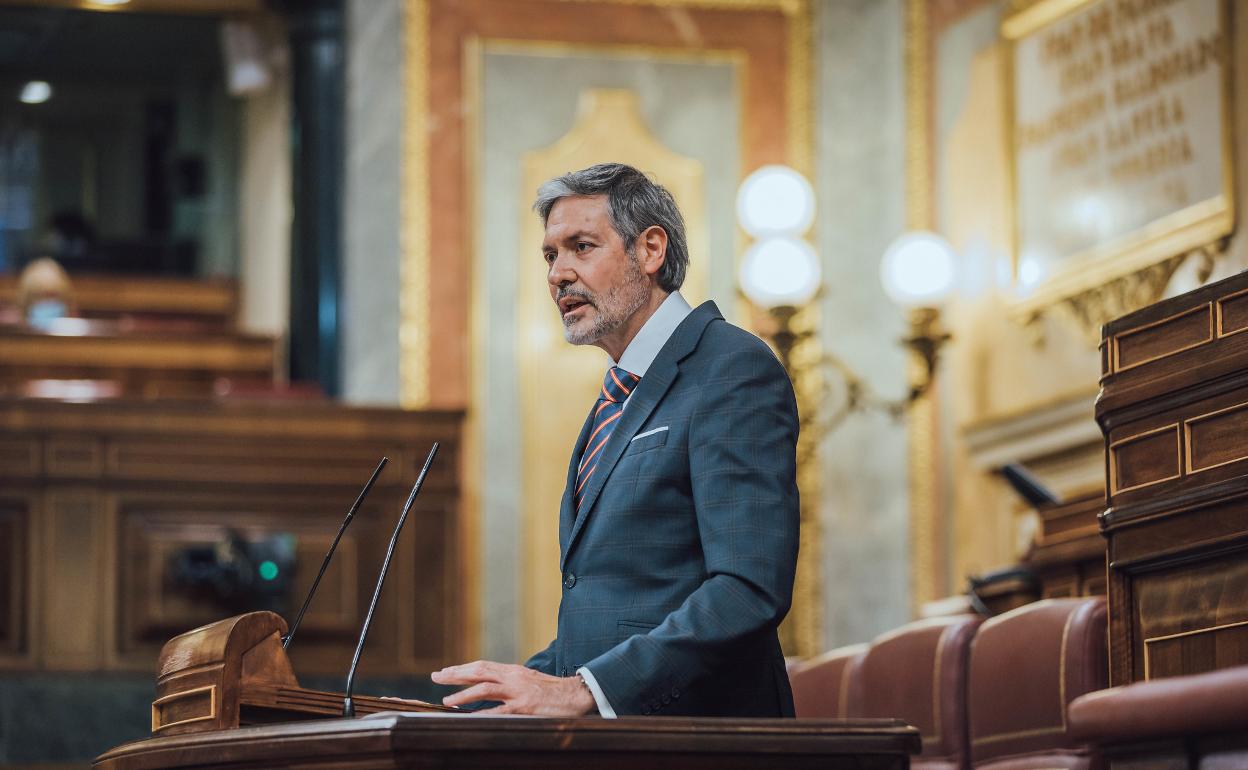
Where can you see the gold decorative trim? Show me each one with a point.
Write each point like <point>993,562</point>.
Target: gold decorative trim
<point>563,48</point>
<point>936,669</point>
<point>1017,734</point>
<point>1113,457</point>
<point>478,326</point>
<point>787,7</point>
<point>1116,360</point>
<point>1179,635</point>
<point>928,580</point>
<point>806,619</point>
<point>414,314</point>
<point>1187,439</point>
<point>177,696</point>
<point>1221,325</point>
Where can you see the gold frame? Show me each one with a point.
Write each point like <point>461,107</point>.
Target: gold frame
<point>929,579</point>
<point>1174,235</point>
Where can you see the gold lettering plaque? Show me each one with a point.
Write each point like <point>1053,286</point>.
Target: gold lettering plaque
<point>1121,138</point>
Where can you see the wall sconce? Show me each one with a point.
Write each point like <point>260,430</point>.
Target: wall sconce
<point>919,271</point>
<point>781,273</point>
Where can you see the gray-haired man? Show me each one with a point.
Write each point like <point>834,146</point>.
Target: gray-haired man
<point>678,527</point>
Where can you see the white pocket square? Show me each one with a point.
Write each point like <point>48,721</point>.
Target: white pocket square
<point>647,433</point>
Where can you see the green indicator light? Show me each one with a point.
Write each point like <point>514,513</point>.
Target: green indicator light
<point>268,570</point>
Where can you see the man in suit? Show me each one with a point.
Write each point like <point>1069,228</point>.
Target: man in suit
<point>679,524</point>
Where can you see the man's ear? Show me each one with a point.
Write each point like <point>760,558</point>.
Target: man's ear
<point>652,249</point>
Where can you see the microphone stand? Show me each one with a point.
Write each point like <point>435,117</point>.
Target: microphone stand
<point>348,706</point>
<point>332,547</point>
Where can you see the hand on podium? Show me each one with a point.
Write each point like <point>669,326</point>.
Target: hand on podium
<point>521,690</point>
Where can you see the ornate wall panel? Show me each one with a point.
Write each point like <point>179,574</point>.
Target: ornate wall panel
<point>447,356</point>
<point>1014,390</point>
<point>95,529</point>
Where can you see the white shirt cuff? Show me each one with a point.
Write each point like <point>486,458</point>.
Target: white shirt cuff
<point>604,706</point>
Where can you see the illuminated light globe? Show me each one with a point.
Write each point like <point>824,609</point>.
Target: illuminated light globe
<point>775,200</point>
<point>919,269</point>
<point>36,92</point>
<point>780,271</point>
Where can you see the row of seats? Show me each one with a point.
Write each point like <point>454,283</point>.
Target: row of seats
<point>985,694</point>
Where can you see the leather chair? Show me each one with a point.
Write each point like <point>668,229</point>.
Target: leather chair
<point>825,686</point>
<point>1193,721</point>
<point>1026,667</point>
<point>918,673</point>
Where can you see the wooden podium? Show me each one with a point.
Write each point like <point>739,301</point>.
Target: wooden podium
<point>221,687</point>
<point>435,740</point>
<point>1174,411</point>
<point>235,672</point>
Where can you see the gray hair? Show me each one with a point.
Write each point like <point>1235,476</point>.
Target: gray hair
<point>634,203</point>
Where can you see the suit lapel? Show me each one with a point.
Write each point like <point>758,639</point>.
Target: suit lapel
<point>647,395</point>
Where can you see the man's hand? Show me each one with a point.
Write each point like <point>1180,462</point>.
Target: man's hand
<point>522,690</point>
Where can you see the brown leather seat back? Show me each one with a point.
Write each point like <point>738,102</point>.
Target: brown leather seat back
<point>825,686</point>
<point>918,673</point>
<point>1026,667</point>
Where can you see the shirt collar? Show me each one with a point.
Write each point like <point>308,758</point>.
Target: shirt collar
<point>653,335</point>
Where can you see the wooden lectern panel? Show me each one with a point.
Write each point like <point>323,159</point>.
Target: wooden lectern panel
<point>1174,411</point>
<point>438,741</point>
<point>235,672</point>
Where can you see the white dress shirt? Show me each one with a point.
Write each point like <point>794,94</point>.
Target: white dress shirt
<point>636,359</point>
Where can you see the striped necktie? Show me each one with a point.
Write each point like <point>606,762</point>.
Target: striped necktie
<point>615,389</point>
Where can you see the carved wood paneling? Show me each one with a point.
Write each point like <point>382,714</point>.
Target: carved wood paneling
<point>122,487</point>
<point>71,578</point>
<point>1174,409</point>
<point>14,580</point>
<point>1193,617</point>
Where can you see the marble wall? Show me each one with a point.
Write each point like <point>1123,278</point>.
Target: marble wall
<point>860,186</point>
<point>371,224</point>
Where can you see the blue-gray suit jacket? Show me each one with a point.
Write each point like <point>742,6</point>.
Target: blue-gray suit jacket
<point>679,566</point>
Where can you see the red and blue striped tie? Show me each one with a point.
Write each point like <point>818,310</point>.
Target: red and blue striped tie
<point>615,389</point>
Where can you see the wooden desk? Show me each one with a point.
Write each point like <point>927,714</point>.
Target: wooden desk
<point>97,498</point>
<point>1174,411</point>
<point>145,360</point>
<point>211,300</point>
<point>654,743</point>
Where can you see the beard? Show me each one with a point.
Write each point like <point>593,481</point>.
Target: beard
<point>612,309</point>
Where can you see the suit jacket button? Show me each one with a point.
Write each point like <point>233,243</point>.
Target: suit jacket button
<point>563,671</point>
<point>569,581</point>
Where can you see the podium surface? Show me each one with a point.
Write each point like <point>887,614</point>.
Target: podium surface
<point>435,740</point>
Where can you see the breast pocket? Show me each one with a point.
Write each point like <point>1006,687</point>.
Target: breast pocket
<point>647,440</point>
<point>625,629</point>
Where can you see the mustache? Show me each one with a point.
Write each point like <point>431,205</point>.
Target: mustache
<point>572,291</point>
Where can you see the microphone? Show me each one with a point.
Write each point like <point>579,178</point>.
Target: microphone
<point>332,547</point>
<point>348,706</point>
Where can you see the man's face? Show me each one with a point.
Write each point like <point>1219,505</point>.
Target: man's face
<point>596,284</point>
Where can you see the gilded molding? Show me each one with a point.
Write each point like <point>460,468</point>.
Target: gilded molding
<point>414,315</point>
<point>927,579</point>
<point>802,632</point>
<point>1089,310</point>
